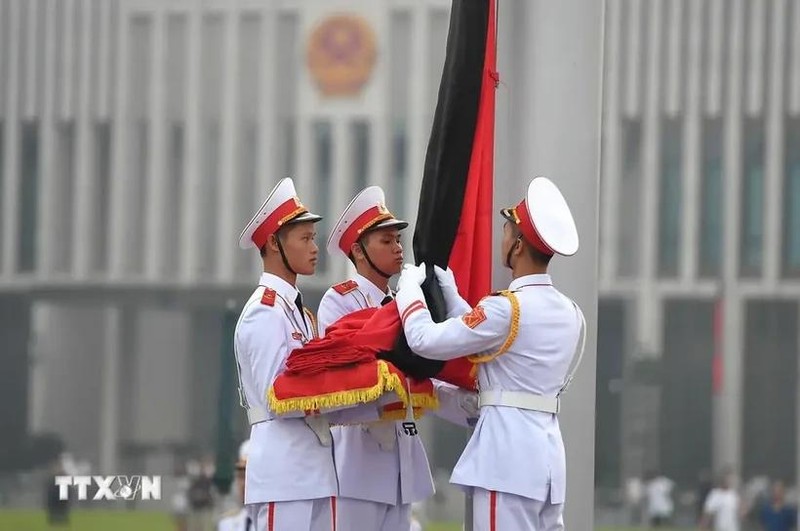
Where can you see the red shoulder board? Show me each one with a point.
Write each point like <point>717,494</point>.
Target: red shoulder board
<point>346,287</point>
<point>268,298</point>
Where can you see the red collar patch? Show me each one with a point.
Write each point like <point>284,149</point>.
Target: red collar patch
<point>346,287</point>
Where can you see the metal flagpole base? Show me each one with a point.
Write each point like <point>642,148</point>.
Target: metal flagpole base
<point>468,511</point>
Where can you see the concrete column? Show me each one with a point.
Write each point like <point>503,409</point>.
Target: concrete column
<point>14,396</point>
<point>727,406</point>
<point>556,66</point>
<point>68,393</point>
<point>727,403</point>
<point>111,393</point>
<point>9,217</point>
<point>797,409</point>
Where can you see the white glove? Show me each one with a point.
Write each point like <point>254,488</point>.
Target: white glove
<point>408,287</point>
<point>469,403</point>
<point>456,305</point>
<point>412,274</point>
<point>459,406</point>
<point>446,278</point>
<point>321,427</point>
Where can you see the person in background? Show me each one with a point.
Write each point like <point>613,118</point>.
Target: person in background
<point>634,498</point>
<point>57,509</point>
<point>238,519</point>
<point>704,486</point>
<point>722,510</point>
<point>659,500</point>
<point>180,499</point>
<point>200,496</point>
<point>775,514</point>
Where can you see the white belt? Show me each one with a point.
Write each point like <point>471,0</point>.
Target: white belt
<point>519,400</point>
<point>256,415</point>
<point>318,423</point>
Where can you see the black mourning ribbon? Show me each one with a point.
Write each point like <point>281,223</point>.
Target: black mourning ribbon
<point>299,302</point>
<point>401,356</point>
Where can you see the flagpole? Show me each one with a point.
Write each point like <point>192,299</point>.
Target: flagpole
<point>469,495</point>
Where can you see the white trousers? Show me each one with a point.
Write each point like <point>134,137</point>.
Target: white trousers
<point>361,515</point>
<point>303,515</point>
<point>500,511</point>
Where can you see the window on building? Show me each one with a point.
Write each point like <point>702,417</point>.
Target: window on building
<point>174,189</point>
<point>138,149</point>
<point>28,197</point>
<point>612,318</point>
<point>102,176</point>
<point>248,197</point>
<point>5,38</point>
<point>399,66</point>
<point>323,170</point>
<point>138,154</point>
<point>711,199</point>
<point>209,187</point>
<point>791,210</point>
<point>288,144</point>
<point>630,211</point>
<point>670,204</point>
<point>285,104</point>
<point>212,42</point>
<point>2,188</point>
<point>175,71</point>
<point>64,175</point>
<point>685,374</point>
<point>399,169</point>
<point>251,64</point>
<point>175,66</point>
<point>360,146</point>
<point>769,377</point>
<point>752,190</point>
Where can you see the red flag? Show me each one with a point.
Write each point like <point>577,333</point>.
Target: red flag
<point>471,257</point>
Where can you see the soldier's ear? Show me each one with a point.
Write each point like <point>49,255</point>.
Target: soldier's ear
<point>356,251</point>
<point>272,242</point>
<point>518,246</point>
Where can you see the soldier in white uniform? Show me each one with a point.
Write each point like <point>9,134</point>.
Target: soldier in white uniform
<point>382,469</point>
<point>238,519</point>
<point>525,339</point>
<point>290,481</point>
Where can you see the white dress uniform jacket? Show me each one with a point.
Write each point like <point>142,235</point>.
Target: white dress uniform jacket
<point>398,472</point>
<point>286,460</point>
<point>512,450</point>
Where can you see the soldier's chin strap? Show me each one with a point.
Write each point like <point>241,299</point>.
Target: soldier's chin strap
<point>283,255</point>
<point>369,261</point>
<point>511,250</point>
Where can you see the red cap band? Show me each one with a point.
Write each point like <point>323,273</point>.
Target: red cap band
<point>368,219</point>
<point>529,229</point>
<point>286,212</point>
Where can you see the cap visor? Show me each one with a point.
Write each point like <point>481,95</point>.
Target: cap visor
<point>305,217</point>
<point>507,213</point>
<point>398,224</point>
